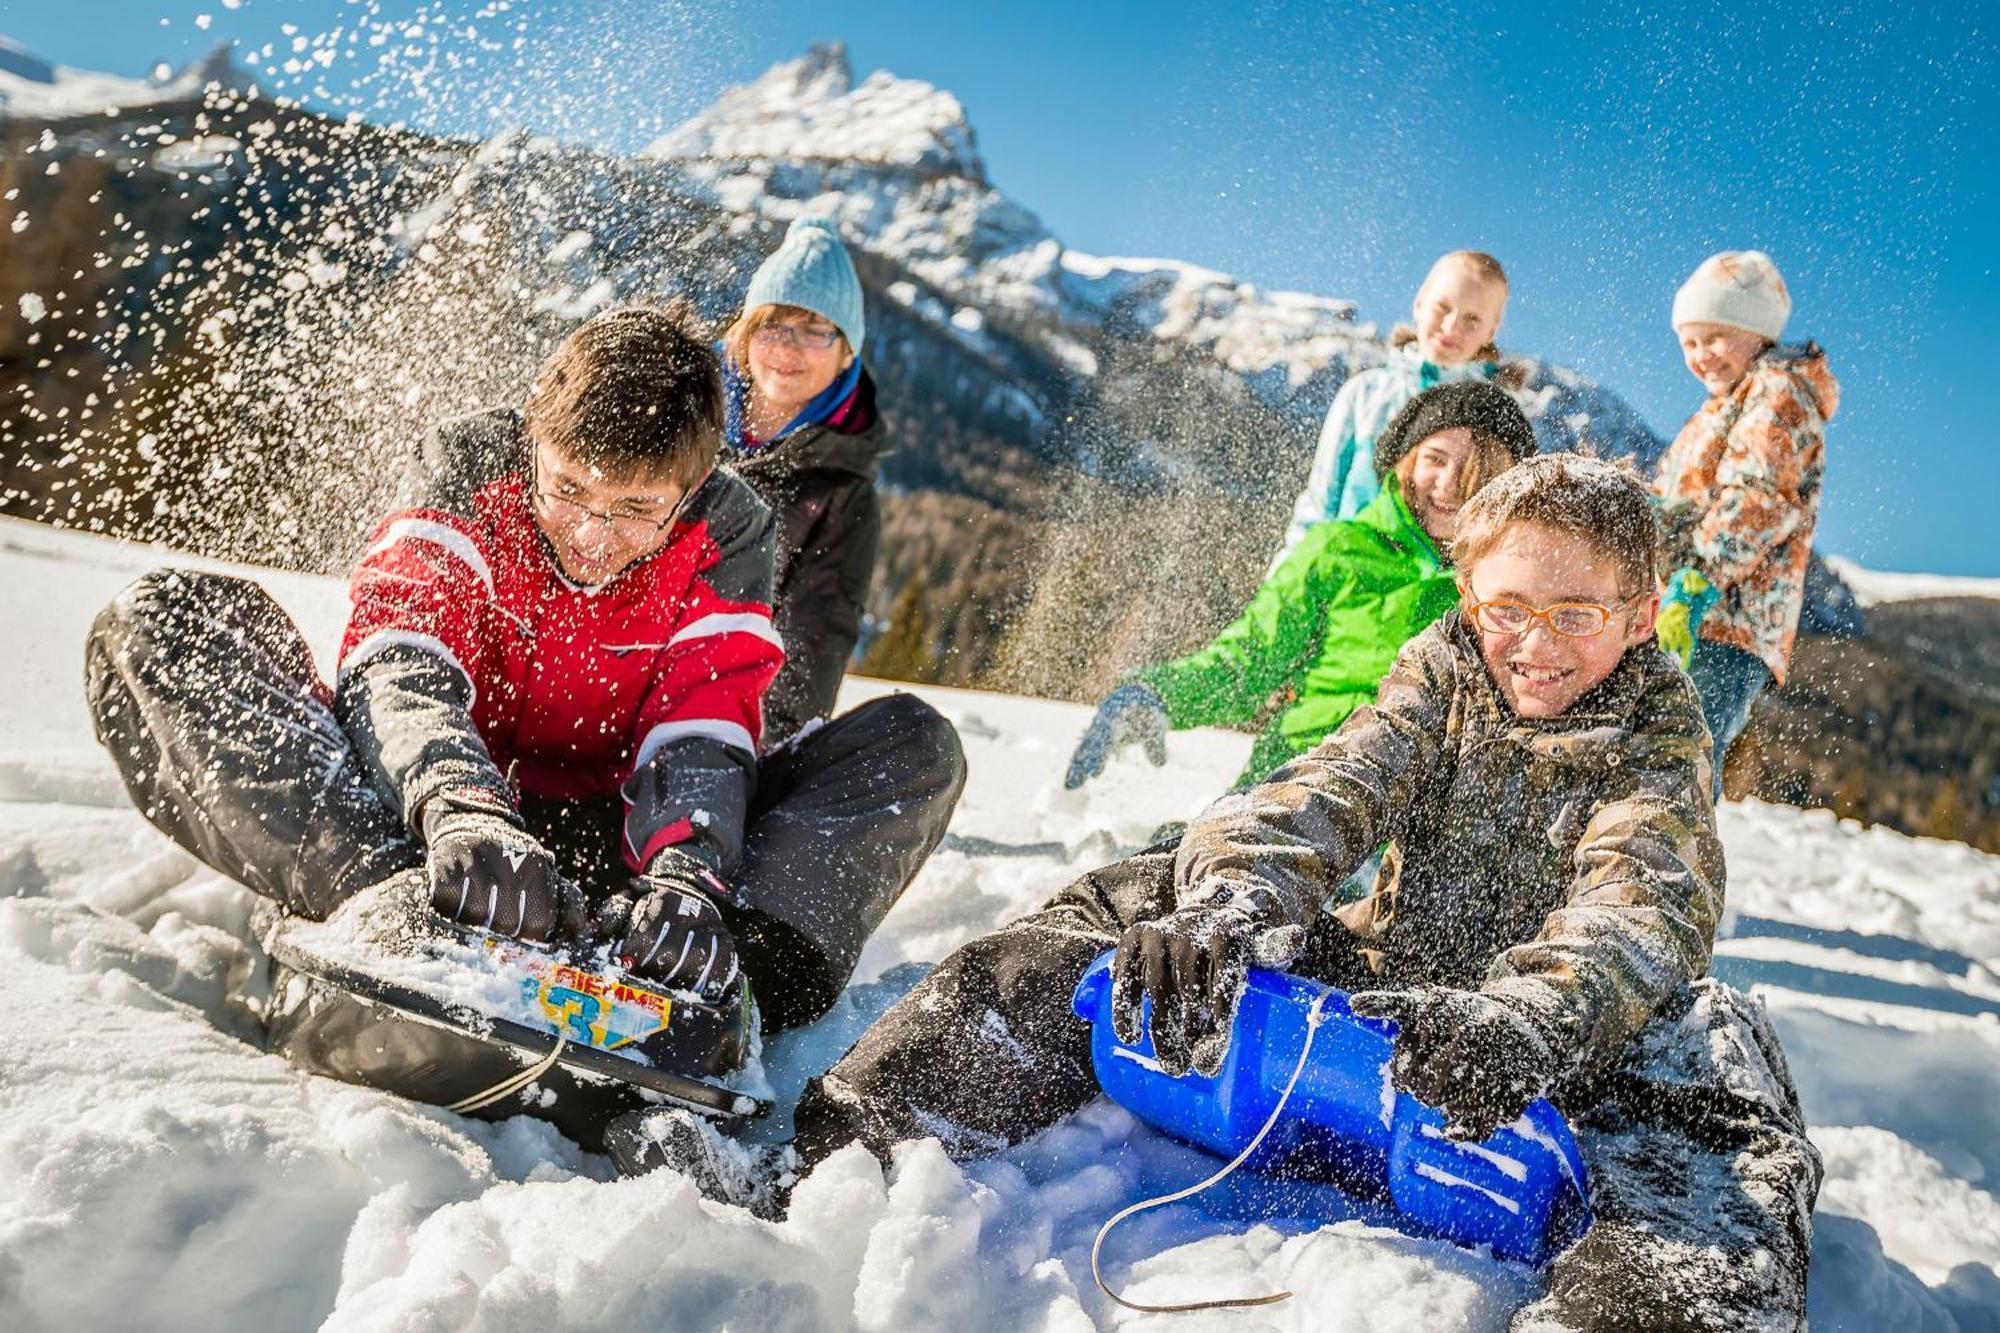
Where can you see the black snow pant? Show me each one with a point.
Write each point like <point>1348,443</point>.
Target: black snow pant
<point>1702,1180</point>
<point>206,695</point>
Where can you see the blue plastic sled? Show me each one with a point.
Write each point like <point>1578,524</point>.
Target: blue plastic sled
<point>1522,1191</point>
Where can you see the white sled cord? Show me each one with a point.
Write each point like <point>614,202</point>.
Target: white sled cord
<point>513,1083</point>
<point>1305,1053</point>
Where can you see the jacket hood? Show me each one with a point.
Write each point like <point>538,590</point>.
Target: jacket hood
<point>1806,364</point>
<point>854,443</point>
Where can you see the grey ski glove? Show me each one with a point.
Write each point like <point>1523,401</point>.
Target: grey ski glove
<point>1473,1056</point>
<point>486,871</point>
<point>1192,963</point>
<point>1132,712</point>
<point>667,927</point>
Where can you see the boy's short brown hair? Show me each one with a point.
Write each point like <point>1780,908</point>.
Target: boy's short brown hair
<point>1603,503</point>
<point>633,390</point>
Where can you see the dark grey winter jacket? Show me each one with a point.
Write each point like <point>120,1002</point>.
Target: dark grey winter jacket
<point>1568,865</point>
<point>820,484</point>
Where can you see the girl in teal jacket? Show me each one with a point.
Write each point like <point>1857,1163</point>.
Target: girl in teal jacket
<point>1328,621</point>
<point>1457,314</point>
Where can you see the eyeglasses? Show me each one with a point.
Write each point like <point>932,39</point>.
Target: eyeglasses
<point>793,335</point>
<point>1572,620</point>
<point>635,527</point>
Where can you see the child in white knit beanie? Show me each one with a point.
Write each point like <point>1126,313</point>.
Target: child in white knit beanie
<point>1739,487</point>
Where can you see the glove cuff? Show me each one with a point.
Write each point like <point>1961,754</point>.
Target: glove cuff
<point>1139,690</point>
<point>688,874</point>
<point>1540,1010</point>
<point>443,806</point>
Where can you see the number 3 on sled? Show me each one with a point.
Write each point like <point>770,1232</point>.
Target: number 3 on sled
<point>593,1020</point>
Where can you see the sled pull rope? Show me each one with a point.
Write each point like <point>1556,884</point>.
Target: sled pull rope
<point>514,1082</point>
<point>1313,1019</point>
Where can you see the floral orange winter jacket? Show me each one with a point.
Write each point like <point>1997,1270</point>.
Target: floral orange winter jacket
<point>1739,492</point>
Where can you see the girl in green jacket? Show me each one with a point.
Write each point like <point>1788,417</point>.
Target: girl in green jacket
<point>1328,621</point>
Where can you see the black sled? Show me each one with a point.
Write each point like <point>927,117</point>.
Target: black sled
<point>494,1027</point>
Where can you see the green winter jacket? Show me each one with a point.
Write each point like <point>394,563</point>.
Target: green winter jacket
<point>1324,627</point>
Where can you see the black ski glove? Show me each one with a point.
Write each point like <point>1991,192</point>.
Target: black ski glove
<point>1473,1056</point>
<point>1132,712</point>
<point>486,871</point>
<point>1192,964</point>
<point>667,927</point>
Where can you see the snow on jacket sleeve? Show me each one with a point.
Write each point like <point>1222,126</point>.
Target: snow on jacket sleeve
<point>1333,459</point>
<point>418,633</point>
<point>405,686</point>
<point>1313,821</point>
<point>1762,491</point>
<point>819,608</point>
<point>1229,680</point>
<point>1646,897</point>
<point>702,722</point>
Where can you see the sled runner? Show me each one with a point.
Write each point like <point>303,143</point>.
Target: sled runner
<point>498,1027</point>
<point>1522,1191</point>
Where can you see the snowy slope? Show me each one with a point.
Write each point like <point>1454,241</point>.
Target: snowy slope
<point>1879,585</point>
<point>153,1160</point>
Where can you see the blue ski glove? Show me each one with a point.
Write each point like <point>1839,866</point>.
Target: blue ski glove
<point>1687,599</point>
<point>1192,963</point>
<point>1132,712</point>
<point>1466,1053</point>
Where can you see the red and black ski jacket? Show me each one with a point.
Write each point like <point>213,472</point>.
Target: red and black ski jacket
<point>469,657</point>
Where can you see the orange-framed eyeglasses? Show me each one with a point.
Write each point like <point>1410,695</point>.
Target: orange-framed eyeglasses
<point>1572,620</point>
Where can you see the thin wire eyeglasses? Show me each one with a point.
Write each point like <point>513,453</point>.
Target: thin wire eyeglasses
<point>635,526</point>
<point>792,335</point>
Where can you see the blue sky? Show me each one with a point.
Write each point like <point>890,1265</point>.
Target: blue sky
<point>1601,151</point>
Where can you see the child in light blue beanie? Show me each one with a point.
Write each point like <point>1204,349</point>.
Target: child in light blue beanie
<point>811,270</point>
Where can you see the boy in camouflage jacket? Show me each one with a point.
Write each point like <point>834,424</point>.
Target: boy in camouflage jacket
<point>1542,927</point>
<point>1739,488</point>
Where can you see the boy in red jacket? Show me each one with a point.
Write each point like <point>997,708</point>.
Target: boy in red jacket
<point>548,708</point>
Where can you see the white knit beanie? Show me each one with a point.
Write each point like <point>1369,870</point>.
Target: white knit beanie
<point>1740,288</point>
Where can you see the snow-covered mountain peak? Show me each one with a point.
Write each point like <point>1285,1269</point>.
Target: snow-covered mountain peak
<point>809,110</point>
<point>31,87</point>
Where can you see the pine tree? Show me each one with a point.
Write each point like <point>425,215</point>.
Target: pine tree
<point>903,651</point>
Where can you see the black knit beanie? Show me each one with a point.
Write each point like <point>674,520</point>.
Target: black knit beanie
<point>1482,408</point>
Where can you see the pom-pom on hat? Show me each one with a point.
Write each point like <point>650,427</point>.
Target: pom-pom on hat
<point>810,269</point>
<point>1482,408</point>
<point>1740,288</point>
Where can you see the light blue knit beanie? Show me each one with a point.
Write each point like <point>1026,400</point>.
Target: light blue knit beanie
<point>810,269</point>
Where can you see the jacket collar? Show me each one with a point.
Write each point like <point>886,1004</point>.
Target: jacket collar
<point>1408,361</point>
<point>1390,514</point>
<point>853,441</point>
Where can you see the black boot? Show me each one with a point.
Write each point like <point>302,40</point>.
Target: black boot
<point>755,1176</point>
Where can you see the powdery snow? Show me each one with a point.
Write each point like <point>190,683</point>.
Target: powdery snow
<point>153,1159</point>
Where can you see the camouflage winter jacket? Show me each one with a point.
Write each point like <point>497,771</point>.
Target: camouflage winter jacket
<point>1739,489</point>
<point>1567,865</point>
